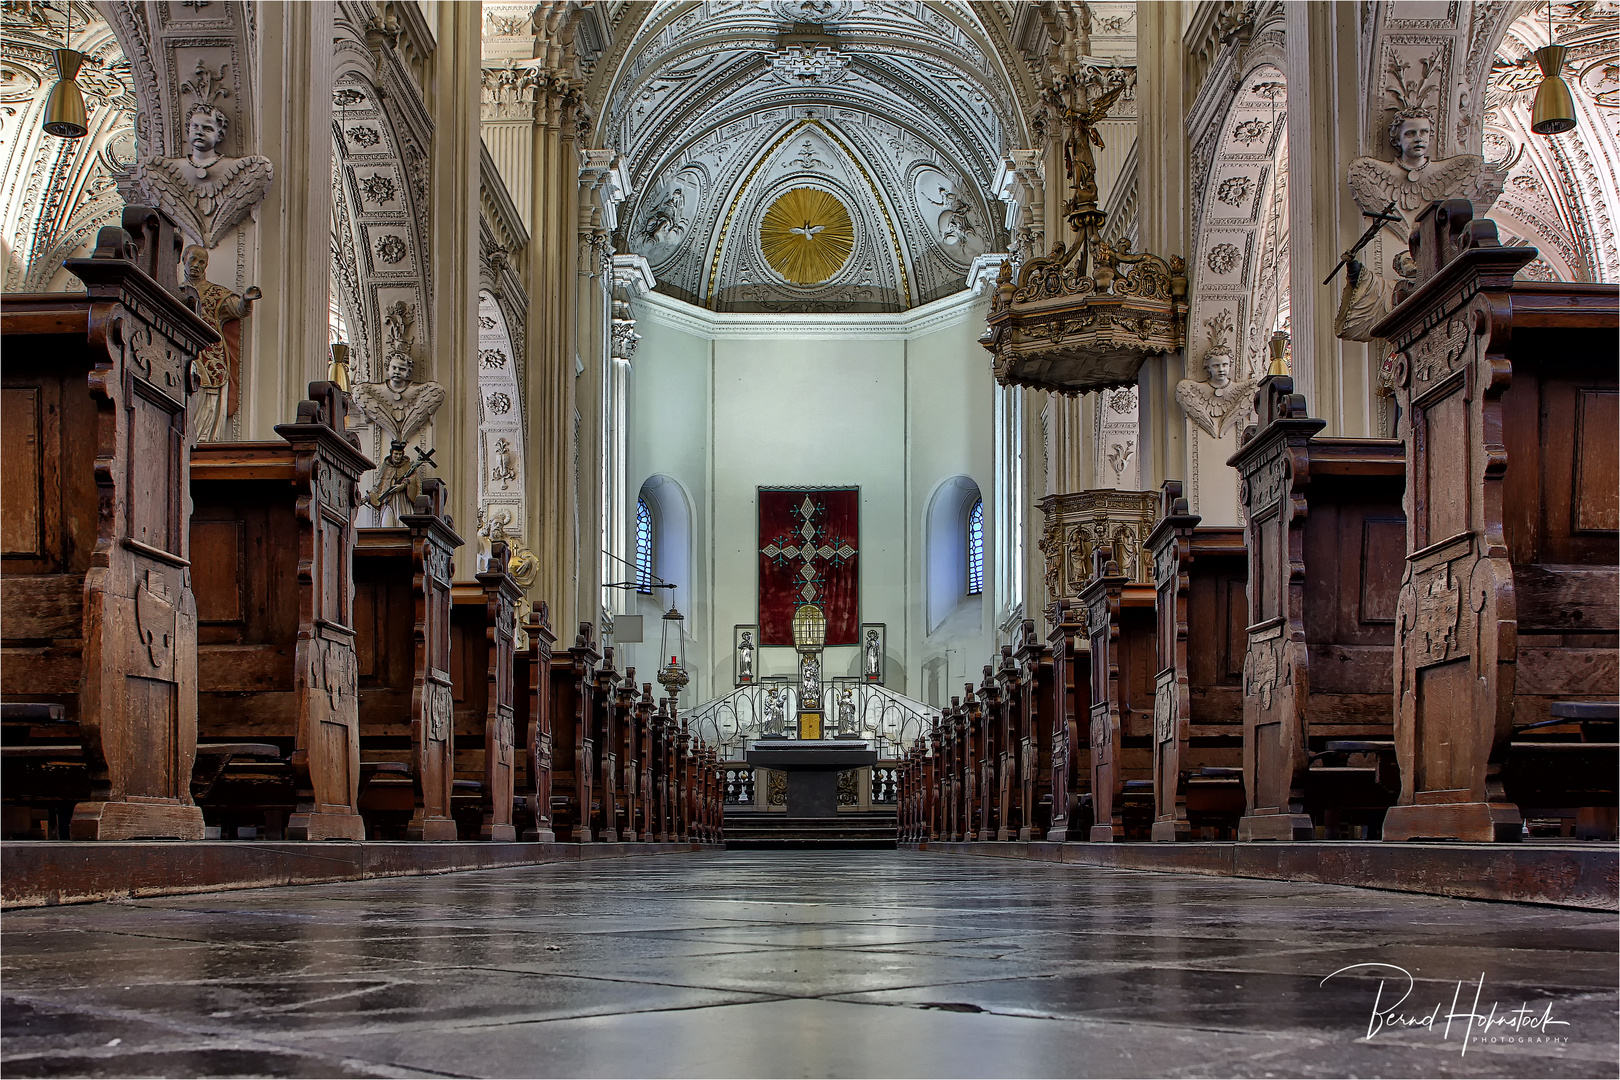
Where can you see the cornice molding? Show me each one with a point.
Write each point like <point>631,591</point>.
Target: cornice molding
<point>947,311</point>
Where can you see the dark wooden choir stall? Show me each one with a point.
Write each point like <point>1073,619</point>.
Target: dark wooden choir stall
<point>100,624</point>
<point>1120,621</point>
<point>1325,536</point>
<point>402,578</point>
<point>272,543</point>
<point>1199,576</point>
<point>483,630</point>
<point>1505,643</point>
<point>1071,736</point>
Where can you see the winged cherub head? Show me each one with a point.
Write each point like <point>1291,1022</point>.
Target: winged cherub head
<point>397,369</point>
<point>1410,134</point>
<point>206,126</point>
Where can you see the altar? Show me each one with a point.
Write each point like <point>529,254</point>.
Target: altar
<point>812,767</point>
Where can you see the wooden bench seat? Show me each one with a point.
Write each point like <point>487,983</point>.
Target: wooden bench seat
<point>1200,576</point>
<point>482,650</point>
<point>402,582</point>
<point>96,608</point>
<point>1324,539</point>
<point>272,541</point>
<point>1509,400</point>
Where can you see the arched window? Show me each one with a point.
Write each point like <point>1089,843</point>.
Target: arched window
<point>644,547</point>
<point>975,549</point>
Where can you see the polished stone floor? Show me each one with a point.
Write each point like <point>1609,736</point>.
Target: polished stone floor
<point>780,964</point>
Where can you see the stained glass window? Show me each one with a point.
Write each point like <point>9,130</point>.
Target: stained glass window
<point>644,529</point>
<point>975,549</point>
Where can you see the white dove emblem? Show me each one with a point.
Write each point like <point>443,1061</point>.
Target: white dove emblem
<point>808,230</point>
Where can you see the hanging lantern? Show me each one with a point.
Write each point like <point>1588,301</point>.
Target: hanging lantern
<point>809,628</point>
<point>64,109</point>
<point>673,675</point>
<point>1554,108</point>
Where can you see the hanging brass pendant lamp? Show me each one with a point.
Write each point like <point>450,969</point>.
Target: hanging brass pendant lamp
<point>65,115</point>
<point>1554,108</point>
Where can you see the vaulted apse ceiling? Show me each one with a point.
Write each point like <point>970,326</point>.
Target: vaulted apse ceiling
<point>900,110</point>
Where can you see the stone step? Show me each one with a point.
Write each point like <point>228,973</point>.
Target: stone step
<point>867,829</point>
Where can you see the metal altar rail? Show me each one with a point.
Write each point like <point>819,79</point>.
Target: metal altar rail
<point>889,720</point>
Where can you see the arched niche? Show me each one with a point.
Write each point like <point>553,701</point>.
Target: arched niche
<point>673,535</point>
<point>1240,268</point>
<point>950,609</point>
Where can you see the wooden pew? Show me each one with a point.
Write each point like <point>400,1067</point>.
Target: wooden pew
<point>483,631</point>
<point>604,729</point>
<point>1508,396</point>
<point>681,779</point>
<point>1325,533</point>
<point>98,612</point>
<point>573,693</point>
<point>272,542</point>
<point>664,778</point>
<point>1034,734</point>
<point>1120,620</point>
<point>531,679</point>
<point>938,779</point>
<point>1007,710</point>
<point>970,757</point>
<point>1071,735</point>
<point>402,618</point>
<point>988,719</point>
<point>645,824</point>
<point>1199,576</point>
<point>628,756</point>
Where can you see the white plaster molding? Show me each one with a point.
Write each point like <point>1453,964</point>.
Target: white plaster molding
<point>679,315</point>
<point>982,274</point>
<point>634,274</point>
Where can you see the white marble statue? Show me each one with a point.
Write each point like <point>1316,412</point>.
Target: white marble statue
<point>874,657</point>
<point>745,658</point>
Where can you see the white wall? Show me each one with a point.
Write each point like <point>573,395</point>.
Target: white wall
<point>893,404</point>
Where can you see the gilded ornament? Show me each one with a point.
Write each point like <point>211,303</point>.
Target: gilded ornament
<point>806,235</point>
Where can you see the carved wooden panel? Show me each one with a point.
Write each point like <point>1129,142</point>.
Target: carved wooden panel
<point>1455,635</point>
<point>1597,461</point>
<point>22,496</point>
<point>1323,556</point>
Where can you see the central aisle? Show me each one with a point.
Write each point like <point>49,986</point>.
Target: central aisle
<point>788,964</point>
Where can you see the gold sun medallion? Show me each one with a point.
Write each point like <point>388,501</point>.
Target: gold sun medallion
<point>806,235</point>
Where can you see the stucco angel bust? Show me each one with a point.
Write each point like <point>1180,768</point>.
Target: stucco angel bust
<point>1222,401</point>
<point>205,192</point>
<point>1411,182</point>
<point>396,404</point>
